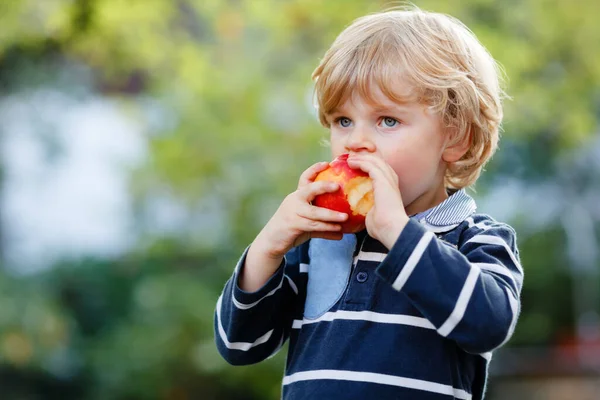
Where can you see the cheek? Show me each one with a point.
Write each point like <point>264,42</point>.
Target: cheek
<point>411,164</point>
<point>336,141</point>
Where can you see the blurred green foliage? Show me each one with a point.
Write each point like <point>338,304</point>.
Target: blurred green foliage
<point>233,80</point>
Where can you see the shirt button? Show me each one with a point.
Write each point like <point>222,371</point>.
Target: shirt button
<point>362,276</point>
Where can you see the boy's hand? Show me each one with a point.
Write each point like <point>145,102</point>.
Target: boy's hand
<point>387,218</point>
<point>297,220</point>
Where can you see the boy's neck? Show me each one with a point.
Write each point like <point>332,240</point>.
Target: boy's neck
<point>426,201</point>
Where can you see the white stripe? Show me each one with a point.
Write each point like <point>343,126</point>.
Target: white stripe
<point>437,229</point>
<point>243,306</point>
<point>488,239</point>
<point>292,284</point>
<point>481,225</point>
<point>462,302</point>
<point>243,346</point>
<point>303,267</point>
<point>370,316</point>
<point>279,346</point>
<point>451,211</point>
<point>384,379</point>
<point>412,261</point>
<point>369,256</point>
<point>487,356</point>
<point>499,269</point>
<point>514,307</point>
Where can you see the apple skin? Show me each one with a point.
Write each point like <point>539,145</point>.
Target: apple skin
<point>354,197</point>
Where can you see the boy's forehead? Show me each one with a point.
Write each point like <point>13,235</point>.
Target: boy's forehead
<point>388,97</point>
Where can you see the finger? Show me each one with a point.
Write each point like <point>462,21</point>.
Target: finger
<point>321,214</point>
<point>327,235</point>
<point>379,162</point>
<point>374,171</point>
<point>311,173</point>
<point>310,225</point>
<point>313,189</point>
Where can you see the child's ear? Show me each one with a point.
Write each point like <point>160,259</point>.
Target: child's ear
<point>456,147</point>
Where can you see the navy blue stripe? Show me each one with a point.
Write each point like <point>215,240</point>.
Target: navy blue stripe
<point>411,347</point>
<point>376,342</point>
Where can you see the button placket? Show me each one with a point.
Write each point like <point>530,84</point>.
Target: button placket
<point>361,287</point>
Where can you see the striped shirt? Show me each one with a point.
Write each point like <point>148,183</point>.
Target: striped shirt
<point>419,321</point>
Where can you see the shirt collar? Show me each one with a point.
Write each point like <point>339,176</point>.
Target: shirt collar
<point>449,213</point>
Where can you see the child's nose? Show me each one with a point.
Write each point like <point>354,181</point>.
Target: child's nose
<point>360,140</point>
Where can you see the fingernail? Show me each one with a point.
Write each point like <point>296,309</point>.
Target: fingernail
<point>343,216</point>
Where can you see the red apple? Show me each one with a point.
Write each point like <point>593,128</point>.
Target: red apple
<point>354,197</point>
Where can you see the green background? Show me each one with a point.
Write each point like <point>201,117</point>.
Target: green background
<point>220,94</point>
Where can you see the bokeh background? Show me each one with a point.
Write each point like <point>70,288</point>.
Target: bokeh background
<point>143,144</point>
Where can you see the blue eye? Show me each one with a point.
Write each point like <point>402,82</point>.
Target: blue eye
<point>390,122</point>
<point>344,122</point>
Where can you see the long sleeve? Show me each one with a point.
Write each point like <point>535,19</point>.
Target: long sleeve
<point>250,327</point>
<point>471,294</point>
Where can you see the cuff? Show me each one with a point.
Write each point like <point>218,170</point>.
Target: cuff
<point>404,255</point>
<point>245,300</point>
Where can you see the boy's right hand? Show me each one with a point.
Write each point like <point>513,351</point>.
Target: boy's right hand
<point>297,220</point>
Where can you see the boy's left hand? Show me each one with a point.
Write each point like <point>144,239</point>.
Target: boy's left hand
<point>387,218</point>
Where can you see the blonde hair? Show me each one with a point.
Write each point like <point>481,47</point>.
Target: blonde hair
<point>445,66</point>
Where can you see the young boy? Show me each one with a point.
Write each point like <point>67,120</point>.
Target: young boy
<point>413,306</point>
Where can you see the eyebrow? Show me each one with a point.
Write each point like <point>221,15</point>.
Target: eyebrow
<point>395,108</point>
<point>377,109</point>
